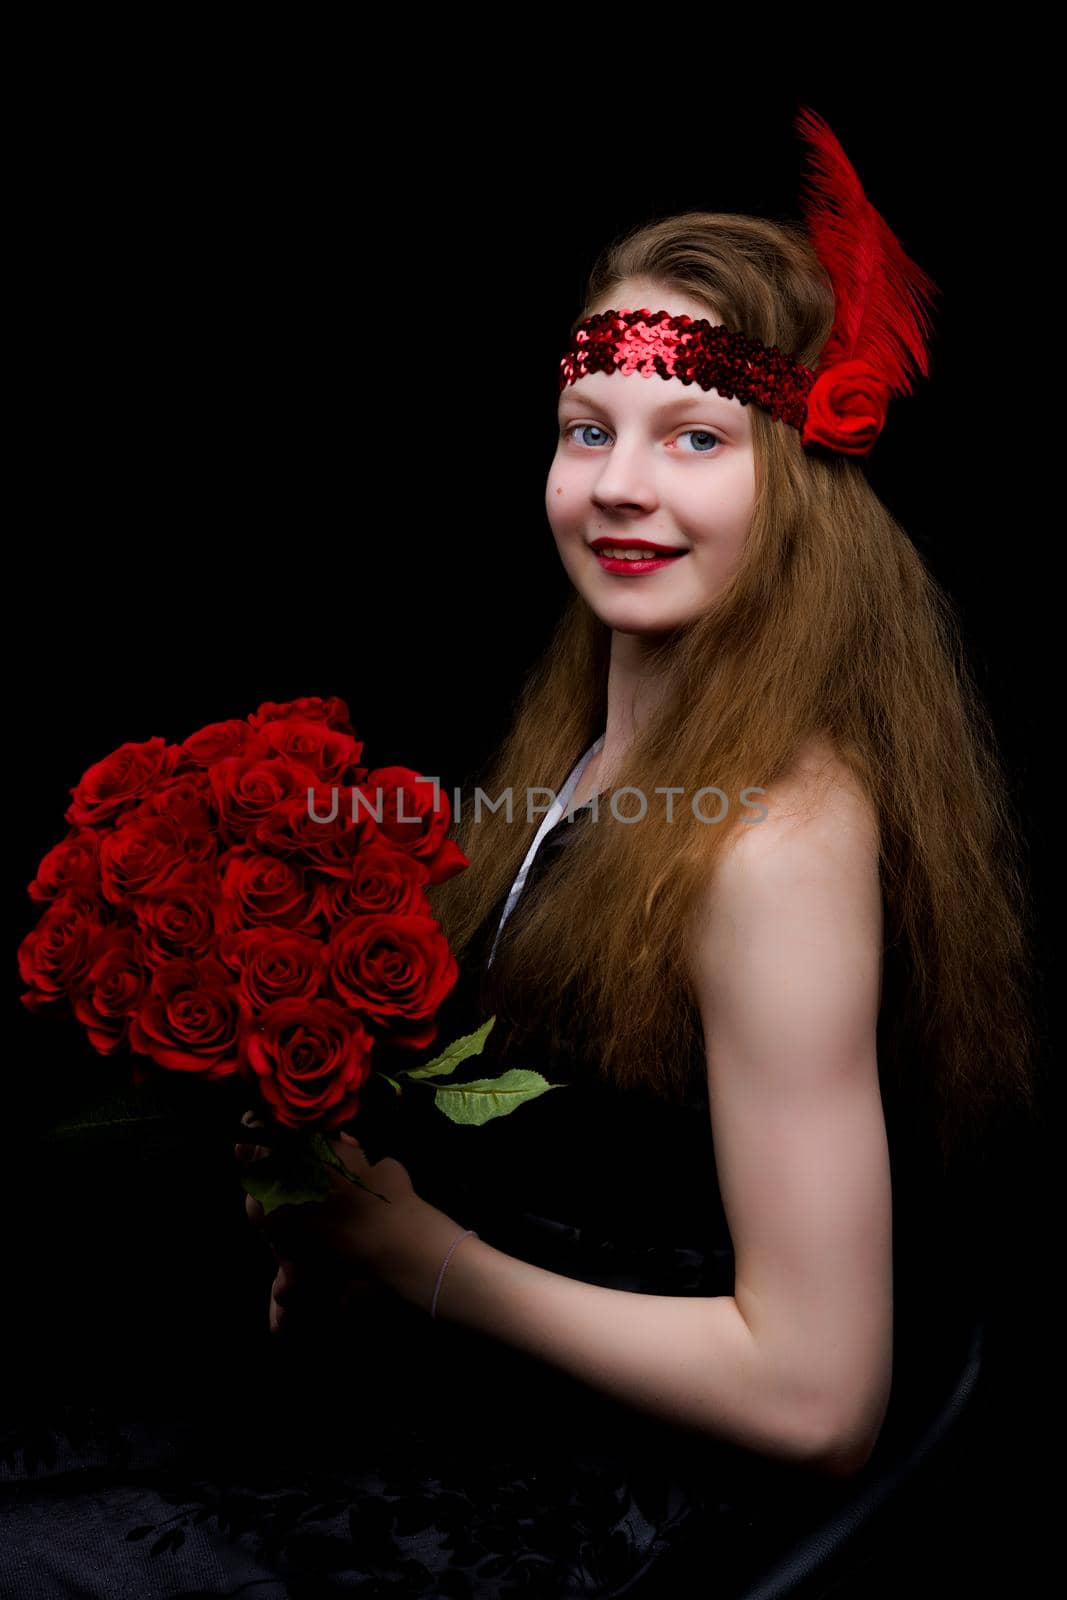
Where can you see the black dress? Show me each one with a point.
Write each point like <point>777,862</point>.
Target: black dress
<point>416,1458</point>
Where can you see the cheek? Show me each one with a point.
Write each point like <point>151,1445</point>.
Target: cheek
<point>557,478</point>
<point>728,516</point>
<point>561,499</point>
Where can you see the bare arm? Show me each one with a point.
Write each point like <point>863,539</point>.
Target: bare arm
<point>788,975</point>
<point>796,1364</point>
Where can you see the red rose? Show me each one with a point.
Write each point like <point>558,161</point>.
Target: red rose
<point>395,970</point>
<point>146,854</point>
<point>316,830</point>
<point>186,800</point>
<point>415,816</point>
<point>203,909</point>
<point>846,408</point>
<point>120,780</point>
<point>260,889</point>
<point>309,1058</point>
<point>330,755</point>
<point>217,740</point>
<point>247,788</point>
<point>54,958</point>
<point>72,864</point>
<point>192,1019</point>
<point>333,711</point>
<point>113,988</point>
<point>270,966</point>
<point>178,920</point>
<point>381,880</point>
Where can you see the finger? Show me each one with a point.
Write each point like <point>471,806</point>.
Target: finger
<point>350,1151</point>
<point>250,1152</point>
<point>286,1283</point>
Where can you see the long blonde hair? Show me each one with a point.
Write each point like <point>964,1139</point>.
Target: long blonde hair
<point>831,627</point>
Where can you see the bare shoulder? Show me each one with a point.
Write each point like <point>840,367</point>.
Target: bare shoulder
<point>816,813</point>
<point>807,869</point>
<point>818,797</point>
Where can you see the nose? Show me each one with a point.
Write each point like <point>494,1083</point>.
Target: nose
<point>626,479</point>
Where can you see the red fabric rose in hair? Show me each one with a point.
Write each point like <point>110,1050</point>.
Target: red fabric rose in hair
<point>846,408</point>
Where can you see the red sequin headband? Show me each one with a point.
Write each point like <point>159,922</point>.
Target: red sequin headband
<point>880,331</point>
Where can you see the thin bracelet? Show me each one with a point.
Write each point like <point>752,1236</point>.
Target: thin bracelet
<point>444,1264</point>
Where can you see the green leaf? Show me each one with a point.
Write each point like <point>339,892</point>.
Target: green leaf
<point>485,1098</point>
<point>128,1110</point>
<point>294,1177</point>
<point>393,1081</point>
<point>471,1044</point>
<point>297,1173</point>
<point>326,1153</point>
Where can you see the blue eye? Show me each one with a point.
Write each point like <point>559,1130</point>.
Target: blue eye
<point>592,427</point>
<point>581,427</point>
<point>701,433</point>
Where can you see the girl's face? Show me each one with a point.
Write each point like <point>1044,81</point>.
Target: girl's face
<point>656,459</point>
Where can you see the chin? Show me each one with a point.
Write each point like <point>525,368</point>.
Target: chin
<point>628,619</point>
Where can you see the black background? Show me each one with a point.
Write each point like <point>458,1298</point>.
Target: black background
<point>284,429</point>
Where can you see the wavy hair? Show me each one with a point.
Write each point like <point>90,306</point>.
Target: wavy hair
<point>831,627</point>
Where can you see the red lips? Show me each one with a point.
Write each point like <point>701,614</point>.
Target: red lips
<point>637,544</point>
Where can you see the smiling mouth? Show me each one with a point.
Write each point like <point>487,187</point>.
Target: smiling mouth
<point>612,552</point>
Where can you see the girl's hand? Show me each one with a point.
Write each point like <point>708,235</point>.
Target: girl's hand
<point>311,1299</point>
<point>352,1239</point>
<point>304,1301</point>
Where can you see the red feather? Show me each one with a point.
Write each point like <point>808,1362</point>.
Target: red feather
<point>883,298</point>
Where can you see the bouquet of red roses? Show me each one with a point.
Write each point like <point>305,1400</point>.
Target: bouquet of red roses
<point>251,904</point>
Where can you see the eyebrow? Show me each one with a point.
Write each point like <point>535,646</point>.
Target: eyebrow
<point>682,402</point>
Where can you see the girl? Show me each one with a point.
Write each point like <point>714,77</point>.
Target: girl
<point>768,940</point>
